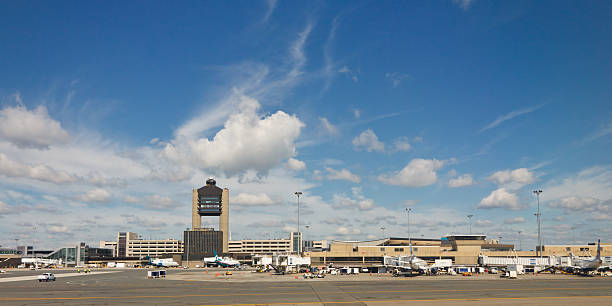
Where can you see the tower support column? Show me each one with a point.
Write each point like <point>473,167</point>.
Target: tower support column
<point>196,219</point>
<point>224,219</point>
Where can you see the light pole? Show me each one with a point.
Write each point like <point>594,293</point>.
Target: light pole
<point>500,237</point>
<point>408,210</point>
<point>382,228</point>
<point>539,215</point>
<point>520,245</point>
<point>307,226</point>
<point>187,230</point>
<point>298,194</point>
<point>470,217</point>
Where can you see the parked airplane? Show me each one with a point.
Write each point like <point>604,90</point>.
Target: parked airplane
<point>409,264</point>
<point>581,266</point>
<point>221,261</point>
<point>165,262</point>
<point>586,265</point>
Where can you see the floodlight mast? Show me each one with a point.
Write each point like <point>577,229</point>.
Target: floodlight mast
<point>470,217</point>
<point>298,194</point>
<point>408,210</point>
<point>539,215</point>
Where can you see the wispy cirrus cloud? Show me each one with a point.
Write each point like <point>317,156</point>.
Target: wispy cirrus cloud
<point>511,115</point>
<point>270,9</point>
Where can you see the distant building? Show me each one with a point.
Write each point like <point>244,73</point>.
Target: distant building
<point>122,242</point>
<point>111,245</point>
<point>461,249</point>
<point>128,244</point>
<point>269,246</point>
<point>260,246</point>
<point>153,248</point>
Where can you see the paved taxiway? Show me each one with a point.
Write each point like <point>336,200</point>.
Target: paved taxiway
<point>131,286</point>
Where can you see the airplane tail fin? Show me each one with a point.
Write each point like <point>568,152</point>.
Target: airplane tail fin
<point>598,248</point>
<point>216,257</point>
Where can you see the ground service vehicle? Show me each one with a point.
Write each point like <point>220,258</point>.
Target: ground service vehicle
<point>45,277</point>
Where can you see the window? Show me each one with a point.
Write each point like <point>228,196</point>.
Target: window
<point>584,249</point>
<point>399,249</point>
<point>382,249</point>
<point>568,249</point>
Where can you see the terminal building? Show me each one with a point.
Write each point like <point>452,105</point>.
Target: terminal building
<point>129,244</point>
<point>267,246</point>
<point>461,249</point>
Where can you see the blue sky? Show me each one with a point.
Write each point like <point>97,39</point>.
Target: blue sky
<point>110,113</point>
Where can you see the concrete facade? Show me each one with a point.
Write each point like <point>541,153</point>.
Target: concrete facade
<point>263,246</point>
<point>153,248</point>
<point>462,252</point>
<point>224,219</point>
<point>129,245</point>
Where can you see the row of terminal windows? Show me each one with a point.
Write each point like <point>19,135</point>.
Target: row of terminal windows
<point>398,249</point>
<point>154,243</point>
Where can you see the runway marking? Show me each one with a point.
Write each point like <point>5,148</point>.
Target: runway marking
<point>278,293</point>
<point>59,275</point>
<point>417,300</point>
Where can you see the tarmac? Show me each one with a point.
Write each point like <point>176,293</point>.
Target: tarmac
<point>197,287</point>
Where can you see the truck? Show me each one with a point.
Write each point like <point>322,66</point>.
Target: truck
<point>45,277</point>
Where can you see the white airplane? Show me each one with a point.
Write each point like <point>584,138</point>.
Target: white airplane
<point>221,261</point>
<point>165,262</point>
<point>409,264</point>
<point>586,265</point>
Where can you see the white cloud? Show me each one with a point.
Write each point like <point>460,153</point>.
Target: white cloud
<point>359,200</point>
<point>295,164</point>
<point>5,209</point>
<point>464,4</point>
<point>461,181</point>
<point>11,168</point>
<point>353,75</point>
<point>97,195</point>
<point>516,220</point>
<point>483,223</point>
<point>584,204</point>
<point>593,182</point>
<point>131,199</point>
<point>396,77</point>
<point>247,199</point>
<point>160,202</point>
<point>603,131</point>
<point>513,179</point>
<point>343,174</point>
<point>247,142</point>
<point>501,198</point>
<point>271,6</point>
<point>58,229</point>
<point>347,231</point>
<point>367,140</point>
<point>418,173</point>
<point>30,128</point>
<point>402,144</point>
<point>289,228</point>
<point>328,127</point>
<point>510,115</point>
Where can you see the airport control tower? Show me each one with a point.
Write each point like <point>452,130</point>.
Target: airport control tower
<point>211,200</point>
